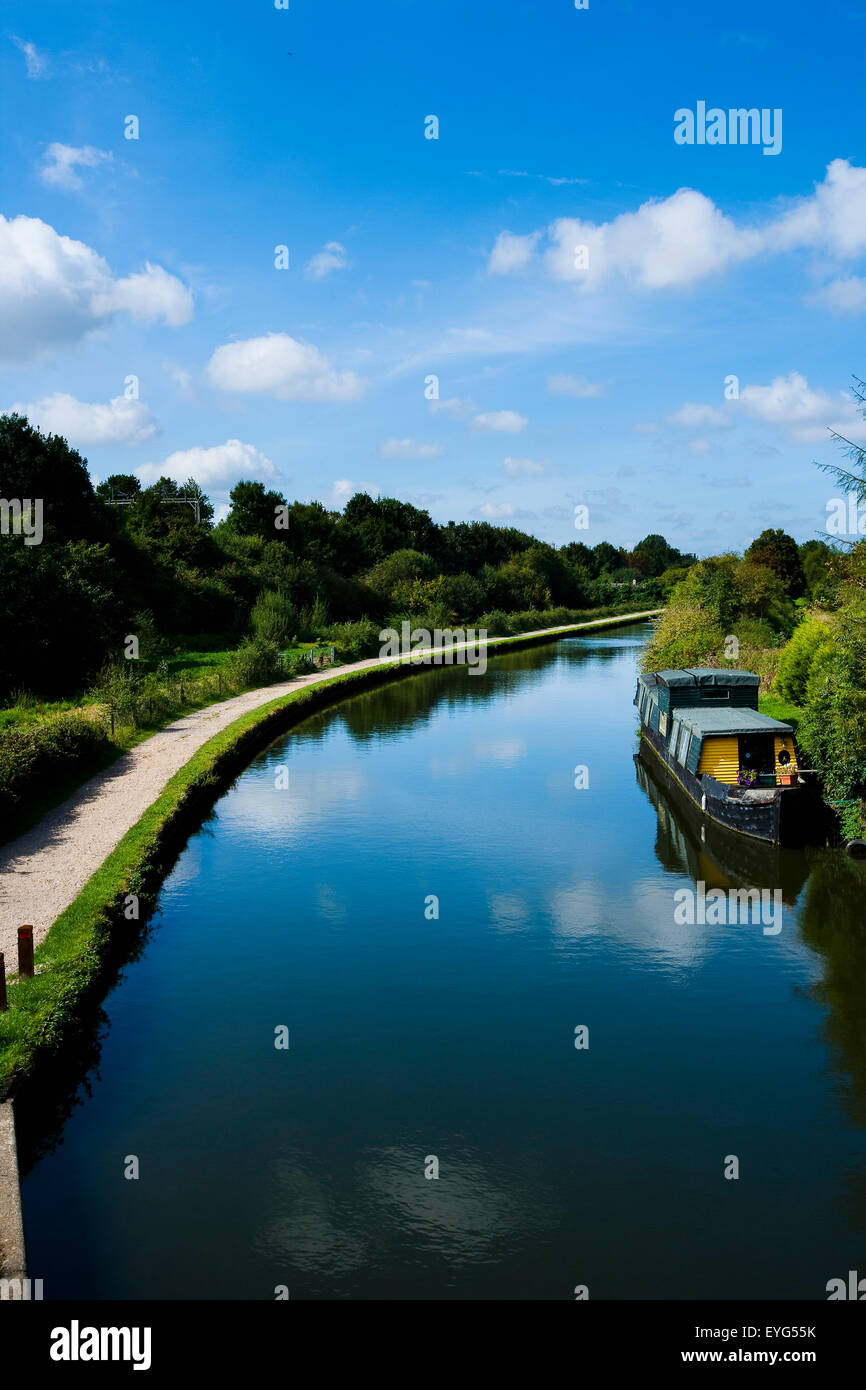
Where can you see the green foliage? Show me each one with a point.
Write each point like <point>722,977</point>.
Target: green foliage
<point>354,641</point>
<point>686,635</point>
<point>798,658</point>
<point>274,618</point>
<point>255,511</point>
<point>833,729</point>
<point>254,662</point>
<point>778,552</point>
<point>154,569</point>
<point>653,556</point>
<point>33,758</point>
<point>816,558</point>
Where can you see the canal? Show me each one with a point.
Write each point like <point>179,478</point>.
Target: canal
<point>433,892</point>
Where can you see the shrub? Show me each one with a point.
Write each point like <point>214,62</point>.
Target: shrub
<point>254,662</point>
<point>274,618</point>
<point>44,754</point>
<point>354,641</point>
<point>685,636</point>
<point>798,658</point>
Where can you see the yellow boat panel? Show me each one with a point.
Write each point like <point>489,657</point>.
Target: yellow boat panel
<point>720,757</point>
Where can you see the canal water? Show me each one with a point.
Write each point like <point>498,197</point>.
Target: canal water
<point>430,908</point>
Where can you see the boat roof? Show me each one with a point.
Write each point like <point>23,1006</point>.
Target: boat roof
<point>714,720</point>
<point>707,675</point>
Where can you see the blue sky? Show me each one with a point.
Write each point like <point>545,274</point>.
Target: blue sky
<point>601,384</point>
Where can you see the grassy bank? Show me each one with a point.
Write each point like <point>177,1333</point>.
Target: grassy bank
<point>94,933</point>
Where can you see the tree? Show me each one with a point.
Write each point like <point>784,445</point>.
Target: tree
<point>254,511</point>
<point>816,558</point>
<point>657,556</point>
<point>607,557</point>
<point>36,466</point>
<point>777,551</point>
<point>119,485</point>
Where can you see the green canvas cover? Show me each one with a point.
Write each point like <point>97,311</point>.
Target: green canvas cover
<point>707,676</point>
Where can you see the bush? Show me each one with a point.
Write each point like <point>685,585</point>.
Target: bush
<point>254,662</point>
<point>685,636</point>
<point>354,641</point>
<point>44,755</point>
<point>496,623</point>
<point>274,618</point>
<point>798,659</point>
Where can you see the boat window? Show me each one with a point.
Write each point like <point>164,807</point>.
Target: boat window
<point>714,692</point>
<point>757,753</point>
<point>683,750</point>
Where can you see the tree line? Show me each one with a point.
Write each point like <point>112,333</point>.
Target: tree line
<point>120,558</point>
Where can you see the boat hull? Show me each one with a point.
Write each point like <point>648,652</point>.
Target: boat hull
<point>779,815</point>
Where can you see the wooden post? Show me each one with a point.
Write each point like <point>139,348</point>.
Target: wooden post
<point>220,683</point>
<point>25,952</point>
<point>3,1001</point>
<point>112,723</point>
<point>181,692</point>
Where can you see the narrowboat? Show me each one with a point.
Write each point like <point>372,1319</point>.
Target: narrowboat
<point>739,766</point>
<point>691,844</point>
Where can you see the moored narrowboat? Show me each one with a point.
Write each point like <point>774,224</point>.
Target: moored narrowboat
<point>739,766</point>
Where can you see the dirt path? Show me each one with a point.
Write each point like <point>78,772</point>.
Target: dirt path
<point>42,871</point>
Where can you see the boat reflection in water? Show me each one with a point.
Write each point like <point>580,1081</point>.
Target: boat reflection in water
<point>691,843</point>
<point>826,891</point>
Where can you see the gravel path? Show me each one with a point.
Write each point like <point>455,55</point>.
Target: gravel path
<point>41,872</point>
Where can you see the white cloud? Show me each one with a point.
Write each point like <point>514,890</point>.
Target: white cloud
<point>181,377</point>
<point>36,61</point>
<point>577,386</point>
<point>511,252</point>
<point>788,404</point>
<point>343,488</point>
<point>220,466</point>
<point>332,256</point>
<point>121,421</point>
<point>502,421</point>
<point>699,446</point>
<point>515,468</point>
<point>846,296</point>
<point>280,366</point>
<point>497,510</point>
<point>804,414</point>
<point>693,416</point>
<point>54,290</point>
<point>546,178</point>
<point>149,294</point>
<point>408,449</point>
<point>831,219</point>
<point>668,243</point>
<point>61,161</point>
<point>457,407</point>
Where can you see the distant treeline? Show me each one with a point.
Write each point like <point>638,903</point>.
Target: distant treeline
<point>120,559</point>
